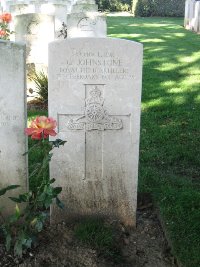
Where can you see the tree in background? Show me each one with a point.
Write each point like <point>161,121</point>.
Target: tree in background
<point>114,5</point>
<point>162,8</point>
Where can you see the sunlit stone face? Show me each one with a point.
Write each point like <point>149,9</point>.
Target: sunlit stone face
<point>95,94</point>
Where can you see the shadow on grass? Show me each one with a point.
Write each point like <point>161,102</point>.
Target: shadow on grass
<point>170,127</point>
<point>170,136</point>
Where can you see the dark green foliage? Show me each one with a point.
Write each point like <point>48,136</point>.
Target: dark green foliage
<point>41,83</point>
<point>114,5</point>
<point>20,229</point>
<point>161,8</point>
<point>97,234</point>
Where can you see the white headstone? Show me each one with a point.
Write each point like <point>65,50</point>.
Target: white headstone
<point>186,19</point>
<point>36,30</point>
<point>59,11</point>
<point>197,17</point>
<point>13,165</point>
<point>18,9</point>
<point>85,2</point>
<point>95,94</point>
<point>191,14</point>
<point>88,24</point>
<point>78,8</point>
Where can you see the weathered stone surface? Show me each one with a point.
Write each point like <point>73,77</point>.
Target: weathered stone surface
<point>78,8</point>
<point>18,9</point>
<point>196,26</point>
<point>59,11</point>
<point>85,2</point>
<point>13,165</point>
<point>189,13</point>
<point>88,24</point>
<point>95,94</point>
<point>36,30</point>
<point>192,15</point>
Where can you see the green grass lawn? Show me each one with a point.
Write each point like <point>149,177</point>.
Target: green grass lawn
<point>170,125</point>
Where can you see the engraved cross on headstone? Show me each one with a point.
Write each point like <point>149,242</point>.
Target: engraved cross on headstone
<point>95,117</point>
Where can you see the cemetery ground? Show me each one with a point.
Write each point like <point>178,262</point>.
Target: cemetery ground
<point>170,140</point>
<point>169,163</point>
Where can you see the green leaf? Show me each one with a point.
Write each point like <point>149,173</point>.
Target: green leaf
<point>24,197</point>
<point>21,198</point>
<point>17,211</point>
<point>8,241</point>
<point>52,181</point>
<point>15,199</point>
<point>33,222</point>
<point>18,248</point>
<point>2,191</point>
<point>58,142</point>
<point>59,203</point>
<point>28,243</point>
<point>10,187</point>
<point>13,218</point>
<point>48,202</point>
<point>39,226</point>
<point>42,197</point>
<point>57,190</point>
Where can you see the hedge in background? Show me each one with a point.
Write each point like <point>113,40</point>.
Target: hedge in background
<point>114,5</point>
<point>161,8</point>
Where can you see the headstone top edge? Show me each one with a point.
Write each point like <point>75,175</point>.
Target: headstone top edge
<point>35,14</point>
<point>89,13</point>
<point>13,44</point>
<point>109,39</point>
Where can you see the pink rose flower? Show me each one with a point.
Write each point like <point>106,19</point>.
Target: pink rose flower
<point>41,127</point>
<point>6,17</point>
<point>2,33</point>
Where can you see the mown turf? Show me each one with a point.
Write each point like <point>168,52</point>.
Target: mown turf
<point>95,233</point>
<point>170,125</point>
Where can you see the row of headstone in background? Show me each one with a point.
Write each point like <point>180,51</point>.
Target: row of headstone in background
<point>34,6</point>
<point>37,23</point>
<point>36,31</point>
<point>192,15</point>
<point>13,143</point>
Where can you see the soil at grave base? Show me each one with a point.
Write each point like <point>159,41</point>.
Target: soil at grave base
<point>58,246</point>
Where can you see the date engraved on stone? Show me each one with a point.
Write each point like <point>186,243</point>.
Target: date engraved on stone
<point>7,120</point>
<point>95,116</point>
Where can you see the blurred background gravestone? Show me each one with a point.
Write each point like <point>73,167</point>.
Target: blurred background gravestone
<point>13,165</point>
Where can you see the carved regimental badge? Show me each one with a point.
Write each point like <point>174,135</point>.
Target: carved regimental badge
<point>95,116</point>
<point>86,24</point>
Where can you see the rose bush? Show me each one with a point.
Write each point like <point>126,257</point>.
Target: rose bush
<point>5,32</point>
<point>21,228</point>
